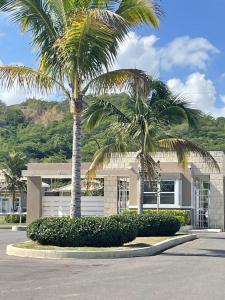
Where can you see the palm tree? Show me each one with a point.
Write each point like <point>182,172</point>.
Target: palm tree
<point>76,42</point>
<point>11,168</point>
<point>143,128</point>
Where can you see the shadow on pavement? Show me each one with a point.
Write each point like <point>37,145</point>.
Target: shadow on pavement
<point>211,253</point>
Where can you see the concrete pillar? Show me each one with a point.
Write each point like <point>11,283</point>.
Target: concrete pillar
<point>34,198</point>
<point>216,206</point>
<point>133,193</point>
<point>110,195</point>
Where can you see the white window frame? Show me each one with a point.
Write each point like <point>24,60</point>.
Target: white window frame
<point>177,192</point>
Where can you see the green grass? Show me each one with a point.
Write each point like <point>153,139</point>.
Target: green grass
<point>137,243</point>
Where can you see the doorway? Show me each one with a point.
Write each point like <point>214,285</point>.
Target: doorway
<point>201,201</point>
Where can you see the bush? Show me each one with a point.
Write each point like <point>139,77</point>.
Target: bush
<point>15,219</point>
<point>82,232</point>
<point>154,224</point>
<point>184,216</point>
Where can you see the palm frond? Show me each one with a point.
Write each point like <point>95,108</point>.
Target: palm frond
<point>100,110</point>
<point>133,81</point>
<point>91,41</point>
<point>140,11</point>
<point>33,16</point>
<point>184,147</point>
<point>103,155</point>
<point>28,79</point>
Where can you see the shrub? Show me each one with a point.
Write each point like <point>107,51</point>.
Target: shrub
<point>154,224</point>
<point>184,216</point>
<point>82,232</point>
<point>15,219</point>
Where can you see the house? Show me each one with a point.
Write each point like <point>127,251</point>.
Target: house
<point>6,202</point>
<point>196,187</point>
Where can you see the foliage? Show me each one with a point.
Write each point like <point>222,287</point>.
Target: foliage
<point>15,219</point>
<point>82,232</point>
<point>45,134</point>
<point>184,216</point>
<point>156,224</point>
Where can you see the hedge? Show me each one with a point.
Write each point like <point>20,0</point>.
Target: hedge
<point>15,219</point>
<point>82,232</point>
<point>153,224</point>
<point>184,216</point>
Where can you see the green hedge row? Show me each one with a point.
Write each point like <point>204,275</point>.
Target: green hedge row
<point>15,219</point>
<point>82,232</point>
<point>100,231</point>
<point>184,216</point>
<point>153,224</point>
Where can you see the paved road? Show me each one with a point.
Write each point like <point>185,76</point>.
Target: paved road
<point>193,271</point>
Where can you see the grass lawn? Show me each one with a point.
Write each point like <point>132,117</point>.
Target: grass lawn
<point>137,243</point>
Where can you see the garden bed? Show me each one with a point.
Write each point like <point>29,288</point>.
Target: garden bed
<point>139,242</point>
<point>138,248</point>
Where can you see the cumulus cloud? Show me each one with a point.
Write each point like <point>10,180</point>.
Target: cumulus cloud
<point>199,91</point>
<point>143,52</point>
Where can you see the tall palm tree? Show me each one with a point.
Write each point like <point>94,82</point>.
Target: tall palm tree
<point>143,128</point>
<point>11,168</point>
<point>76,42</point>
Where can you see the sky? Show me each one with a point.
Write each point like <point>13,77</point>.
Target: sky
<point>187,52</point>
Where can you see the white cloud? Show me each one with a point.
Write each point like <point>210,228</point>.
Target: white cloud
<point>199,91</point>
<point>222,97</point>
<point>143,53</point>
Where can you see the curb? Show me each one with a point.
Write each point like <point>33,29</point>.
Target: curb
<point>5,226</point>
<point>19,228</point>
<point>139,252</point>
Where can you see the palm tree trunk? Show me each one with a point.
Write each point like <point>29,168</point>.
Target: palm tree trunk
<point>75,205</point>
<point>141,185</point>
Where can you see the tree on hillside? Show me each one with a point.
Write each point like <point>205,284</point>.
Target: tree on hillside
<point>145,127</point>
<point>76,41</point>
<point>11,168</point>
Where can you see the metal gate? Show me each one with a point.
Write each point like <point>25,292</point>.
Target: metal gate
<point>202,199</point>
<point>123,186</point>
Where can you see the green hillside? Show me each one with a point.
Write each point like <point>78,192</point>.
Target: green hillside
<point>43,131</point>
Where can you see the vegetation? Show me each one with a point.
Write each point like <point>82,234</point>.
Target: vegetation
<point>155,224</point>
<point>82,232</point>
<point>42,131</point>
<point>11,169</point>
<point>13,219</point>
<point>77,41</point>
<point>184,216</point>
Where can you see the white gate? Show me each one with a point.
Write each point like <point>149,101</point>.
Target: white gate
<point>60,206</point>
<point>202,199</point>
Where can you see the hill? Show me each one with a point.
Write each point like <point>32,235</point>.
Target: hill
<point>42,130</point>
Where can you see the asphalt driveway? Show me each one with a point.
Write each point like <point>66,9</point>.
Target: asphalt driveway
<point>195,270</point>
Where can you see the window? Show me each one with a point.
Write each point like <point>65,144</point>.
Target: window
<point>167,195</point>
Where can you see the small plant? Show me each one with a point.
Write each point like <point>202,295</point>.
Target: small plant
<point>15,219</point>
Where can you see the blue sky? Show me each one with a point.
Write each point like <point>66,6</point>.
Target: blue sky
<point>188,52</point>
